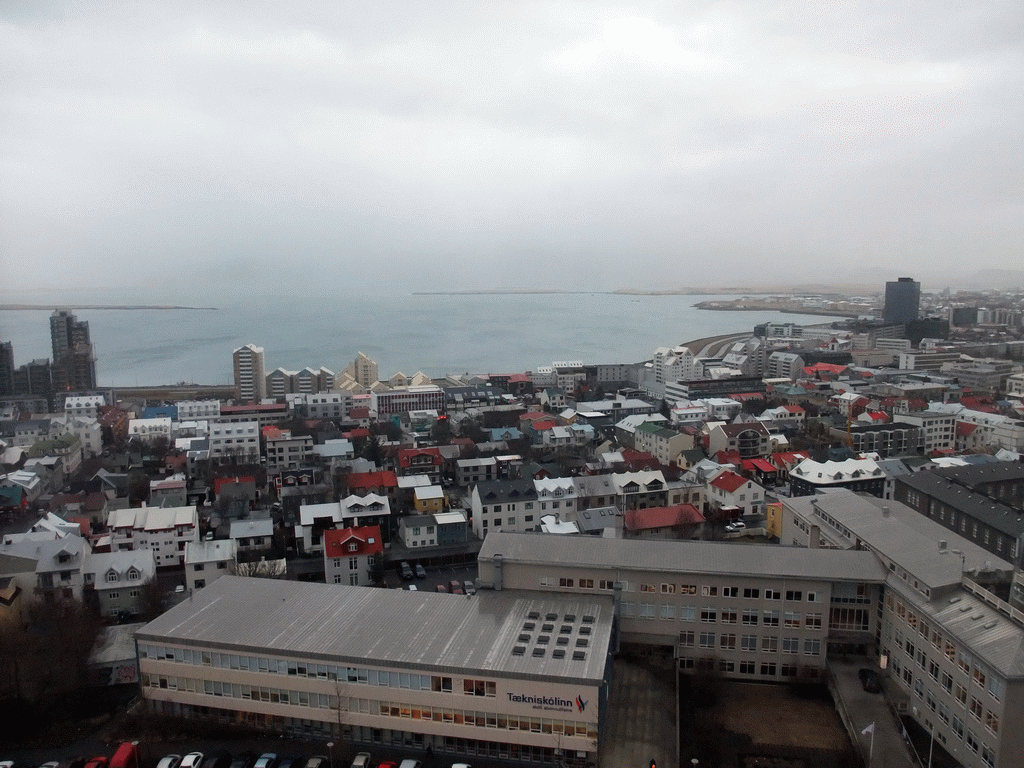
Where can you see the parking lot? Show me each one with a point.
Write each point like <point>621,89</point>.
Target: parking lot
<point>434,576</point>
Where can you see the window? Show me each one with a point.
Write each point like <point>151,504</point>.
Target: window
<point>687,589</point>
<point>770,643</point>
<point>772,594</point>
<point>812,647</point>
<point>812,621</point>
<point>668,589</point>
<point>729,616</point>
<point>648,588</point>
<point>976,709</point>
<point>586,583</point>
<point>947,682</point>
<point>794,594</point>
<point>748,642</point>
<point>709,591</point>
<point>750,618</point>
<point>667,611</point>
<point>687,638</point>
<point>768,668</point>
<point>751,593</point>
<point>771,618</point>
<point>727,642</point>
<point>791,645</point>
<point>472,687</point>
<point>688,613</point>
<point>113,595</point>
<point>792,620</point>
<point>708,615</point>
<point>564,582</point>
<point>441,684</point>
<point>730,591</point>
<point>992,721</point>
<point>707,639</point>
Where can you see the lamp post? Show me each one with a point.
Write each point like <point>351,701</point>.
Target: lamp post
<point>330,753</point>
<point>694,761</point>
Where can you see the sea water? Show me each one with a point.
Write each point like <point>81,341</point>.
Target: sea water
<point>436,334</point>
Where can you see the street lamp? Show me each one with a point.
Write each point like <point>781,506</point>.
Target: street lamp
<point>330,753</point>
<point>694,761</point>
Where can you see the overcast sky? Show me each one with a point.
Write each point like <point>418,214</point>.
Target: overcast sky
<point>483,144</point>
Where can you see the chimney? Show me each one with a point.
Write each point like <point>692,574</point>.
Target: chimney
<point>814,540</point>
<point>497,573</point>
<point>885,511</point>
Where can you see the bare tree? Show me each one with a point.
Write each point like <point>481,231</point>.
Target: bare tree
<point>261,569</point>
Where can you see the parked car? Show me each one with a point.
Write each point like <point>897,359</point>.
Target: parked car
<point>412,588</point>
<point>219,759</point>
<point>388,764</point>
<point>242,760</point>
<point>292,761</point>
<point>169,761</point>
<point>461,765</point>
<point>405,570</point>
<point>192,760</point>
<point>318,761</point>
<point>126,756</point>
<point>455,587</point>
<point>266,760</point>
<point>421,572</point>
<point>97,762</point>
<point>438,588</point>
<point>735,525</point>
<point>411,764</point>
<point>869,680</point>
<point>362,760</point>
<point>470,587</point>
<point>72,762</point>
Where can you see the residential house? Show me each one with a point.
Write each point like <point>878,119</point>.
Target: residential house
<point>429,499</point>
<point>252,535</point>
<point>862,475</point>
<point>351,512</point>
<point>207,561</point>
<point>421,461</point>
<point>164,530</point>
<point>417,531</point>
<point>680,521</point>
<point>504,505</point>
<point>736,494</point>
<point>350,555</point>
<point>115,581</point>
<point>751,440</point>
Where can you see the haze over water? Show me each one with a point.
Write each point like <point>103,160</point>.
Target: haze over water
<point>438,334</point>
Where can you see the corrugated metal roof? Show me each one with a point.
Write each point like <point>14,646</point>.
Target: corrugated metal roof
<point>424,630</point>
<point>711,557</point>
<point>990,636</point>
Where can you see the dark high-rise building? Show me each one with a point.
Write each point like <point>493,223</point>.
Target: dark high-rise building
<point>74,367</point>
<point>6,368</point>
<point>902,300</point>
<point>35,378</point>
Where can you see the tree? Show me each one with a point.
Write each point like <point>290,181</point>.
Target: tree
<point>261,569</point>
<point>153,600</point>
<point>441,432</point>
<point>372,450</point>
<point>377,569</point>
<point>665,410</point>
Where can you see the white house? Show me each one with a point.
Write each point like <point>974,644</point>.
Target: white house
<point>165,530</point>
<point>207,561</point>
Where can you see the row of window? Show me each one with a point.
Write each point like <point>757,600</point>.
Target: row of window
<point>748,643</point>
<point>764,668</point>
<point>470,718</point>
<point>378,677</point>
<point>714,615</point>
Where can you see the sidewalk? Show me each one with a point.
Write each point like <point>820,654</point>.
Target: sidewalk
<point>861,709</point>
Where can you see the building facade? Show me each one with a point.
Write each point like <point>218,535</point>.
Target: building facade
<point>500,675</point>
<point>249,367</point>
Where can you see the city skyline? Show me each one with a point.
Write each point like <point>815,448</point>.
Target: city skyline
<point>471,147</point>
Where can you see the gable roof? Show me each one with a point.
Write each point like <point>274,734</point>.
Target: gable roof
<point>729,481</point>
<point>661,517</point>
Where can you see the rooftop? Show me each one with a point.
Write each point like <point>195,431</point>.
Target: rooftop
<point>438,632</point>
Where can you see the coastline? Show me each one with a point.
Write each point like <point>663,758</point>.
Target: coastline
<point>16,307</point>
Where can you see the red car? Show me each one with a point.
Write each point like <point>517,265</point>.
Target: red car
<point>438,588</point>
<point>456,587</point>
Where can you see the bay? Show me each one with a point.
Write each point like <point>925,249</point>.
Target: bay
<point>435,333</point>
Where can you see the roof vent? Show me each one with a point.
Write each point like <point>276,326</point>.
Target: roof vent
<point>518,650</point>
<point>990,624</point>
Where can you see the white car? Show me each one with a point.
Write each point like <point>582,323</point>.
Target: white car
<point>169,761</point>
<point>191,760</point>
<point>362,760</point>
<point>735,525</point>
